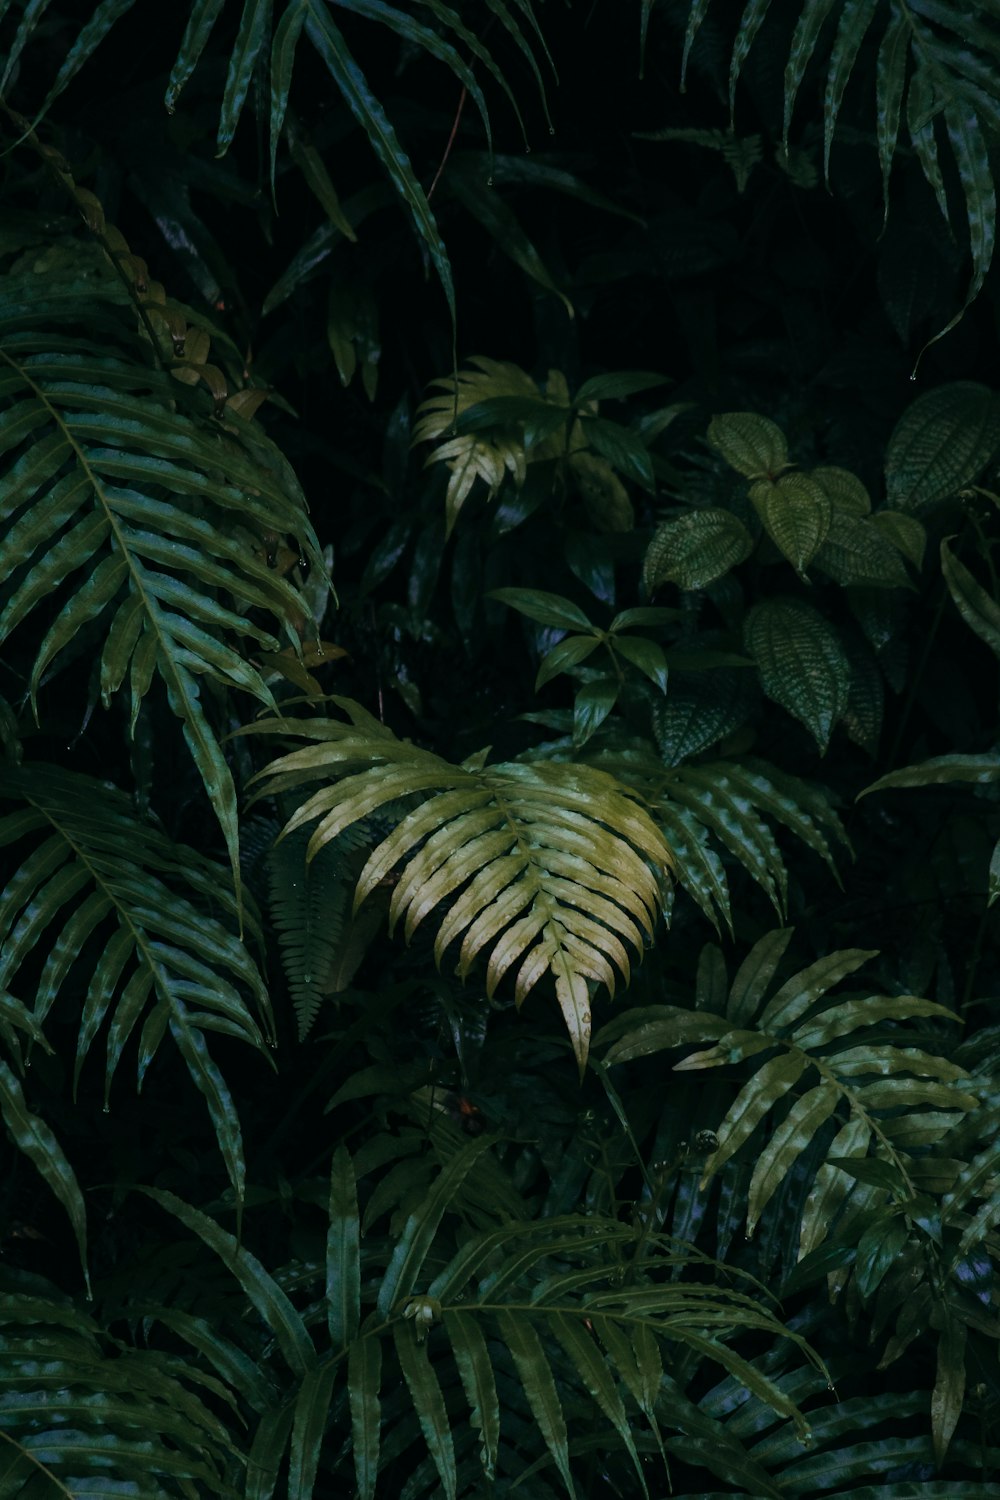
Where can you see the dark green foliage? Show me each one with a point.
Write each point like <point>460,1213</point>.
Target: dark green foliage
<point>537,1160</point>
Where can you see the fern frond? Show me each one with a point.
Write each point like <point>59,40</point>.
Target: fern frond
<point>496,421</point>
<point>310,906</point>
<point>128,514</point>
<point>937,63</point>
<point>261,35</point>
<point>819,1057</point>
<point>81,1414</point>
<point>525,1316</point>
<point>145,927</point>
<point>554,868</point>
<point>729,804</point>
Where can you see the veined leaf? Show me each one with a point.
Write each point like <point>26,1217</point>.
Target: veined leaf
<point>803,665</point>
<point>847,494</point>
<point>695,549</point>
<point>754,446</point>
<point>796,512</point>
<point>940,444</point>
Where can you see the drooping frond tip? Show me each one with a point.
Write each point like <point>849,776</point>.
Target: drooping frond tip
<point>543,869</point>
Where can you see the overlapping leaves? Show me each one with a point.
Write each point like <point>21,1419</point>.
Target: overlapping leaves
<point>136,525</point>
<point>935,75</point>
<point>526,1326</point>
<point>548,869</point>
<point>82,1414</point>
<point>269,36</point>
<point>815,1063</point>
<point>727,806</point>
<point>495,422</point>
<point>142,929</point>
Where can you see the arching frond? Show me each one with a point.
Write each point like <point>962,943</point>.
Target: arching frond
<point>728,806</point>
<point>935,66</point>
<point>270,34</point>
<point>818,1054</point>
<point>143,929</point>
<point>523,1317</point>
<point>554,869</point>
<point>133,520</point>
<point>81,1415</point>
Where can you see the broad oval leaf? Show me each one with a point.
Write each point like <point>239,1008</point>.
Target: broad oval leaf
<point>941,444</point>
<point>754,446</point>
<point>796,512</point>
<point>696,549</point>
<point>803,665</point>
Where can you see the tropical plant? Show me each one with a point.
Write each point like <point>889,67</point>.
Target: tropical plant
<point>530,1157</point>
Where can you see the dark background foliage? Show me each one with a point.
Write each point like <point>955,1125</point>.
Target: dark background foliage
<point>615,233</point>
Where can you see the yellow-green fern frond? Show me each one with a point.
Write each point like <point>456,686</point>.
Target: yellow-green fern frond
<point>546,868</point>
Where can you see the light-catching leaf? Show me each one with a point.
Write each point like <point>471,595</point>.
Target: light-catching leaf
<point>696,549</point>
<point>554,868</point>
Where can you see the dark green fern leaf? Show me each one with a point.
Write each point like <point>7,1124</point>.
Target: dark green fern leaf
<point>310,906</point>
<point>129,513</point>
<point>86,872</point>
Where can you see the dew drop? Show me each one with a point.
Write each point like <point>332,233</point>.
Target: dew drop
<point>913,377</point>
<point>527,150</point>
<point>307,979</point>
<point>106,1110</point>
<point>489,182</point>
<point>303,561</point>
<point>552,130</point>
